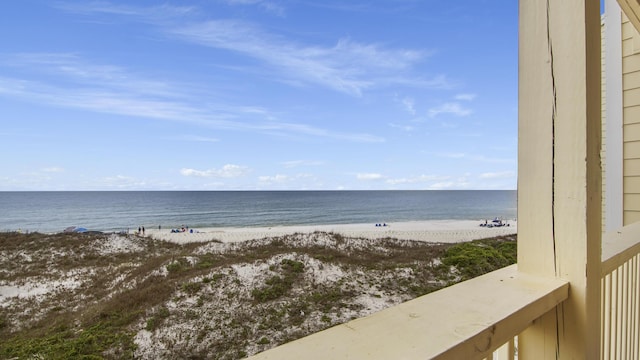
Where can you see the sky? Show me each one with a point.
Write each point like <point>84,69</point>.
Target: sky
<point>258,95</point>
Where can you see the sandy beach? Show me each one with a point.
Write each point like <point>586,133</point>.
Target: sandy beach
<point>428,231</point>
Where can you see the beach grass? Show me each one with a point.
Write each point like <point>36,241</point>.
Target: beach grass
<point>115,296</point>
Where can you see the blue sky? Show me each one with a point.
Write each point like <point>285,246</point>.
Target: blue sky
<point>258,95</point>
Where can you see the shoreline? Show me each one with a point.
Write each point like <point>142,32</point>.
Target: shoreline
<point>449,231</point>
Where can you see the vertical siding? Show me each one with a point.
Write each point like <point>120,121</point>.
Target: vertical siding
<point>631,122</point>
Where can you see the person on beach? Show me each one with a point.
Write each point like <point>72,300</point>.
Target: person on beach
<point>143,231</point>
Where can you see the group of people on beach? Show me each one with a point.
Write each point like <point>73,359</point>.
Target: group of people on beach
<point>182,229</point>
<point>495,223</point>
<point>383,224</point>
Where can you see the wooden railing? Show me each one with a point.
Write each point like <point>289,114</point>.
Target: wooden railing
<point>620,302</point>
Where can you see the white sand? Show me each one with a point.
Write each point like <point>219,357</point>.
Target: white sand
<point>430,231</point>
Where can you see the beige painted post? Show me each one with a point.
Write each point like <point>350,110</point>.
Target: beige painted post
<point>559,184</point>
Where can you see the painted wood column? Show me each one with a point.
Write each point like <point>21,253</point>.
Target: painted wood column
<point>559,172</point>
<point>614,205</point>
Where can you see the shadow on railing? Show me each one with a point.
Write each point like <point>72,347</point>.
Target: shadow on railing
<point>620,285</point>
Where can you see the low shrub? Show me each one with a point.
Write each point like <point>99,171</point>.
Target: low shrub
<point>274,288</point>
<point>476,258</point>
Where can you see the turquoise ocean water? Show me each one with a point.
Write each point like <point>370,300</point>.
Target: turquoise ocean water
<point>115,211</point>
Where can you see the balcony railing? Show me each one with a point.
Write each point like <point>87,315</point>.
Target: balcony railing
<point>620,301</point>
<point>481,318</point>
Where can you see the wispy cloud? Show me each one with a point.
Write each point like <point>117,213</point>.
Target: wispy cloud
<point>443,185</point>
<point>461,182</point>
<point>279,178</point>
<point>417,179</point>
<point>475,157</point>
<point>277,127</point>
<point>498,175</point>
<point>409,105</point>
<point>283,179</point>
<point>71,69</point>
<point>197,138</point>
<point>465,97</point>
<point>108,100</point>
<point>110,89</point>
<point>402,127</point>
<point>227,171</point>
<point>453,108</point>
<point>436,82</point>
<point>152,13</point>
<point>348,66</point>
<point>92,7</point>
<point>369,176</point>
<point>269,6</point>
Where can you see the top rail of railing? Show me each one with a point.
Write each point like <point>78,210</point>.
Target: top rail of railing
<point>620,246</point>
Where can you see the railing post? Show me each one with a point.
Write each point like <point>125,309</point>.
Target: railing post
<point>559,176</point>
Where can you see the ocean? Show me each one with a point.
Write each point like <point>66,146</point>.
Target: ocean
<point>120,210</point>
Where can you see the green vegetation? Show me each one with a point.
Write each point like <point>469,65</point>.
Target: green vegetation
<point>62,342</point>
<point>179,265</point>
<point>157,318</point>
<point>479,257</point>
<point>191,287</point>
<point>277,286</point>
<point>292,267</point>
